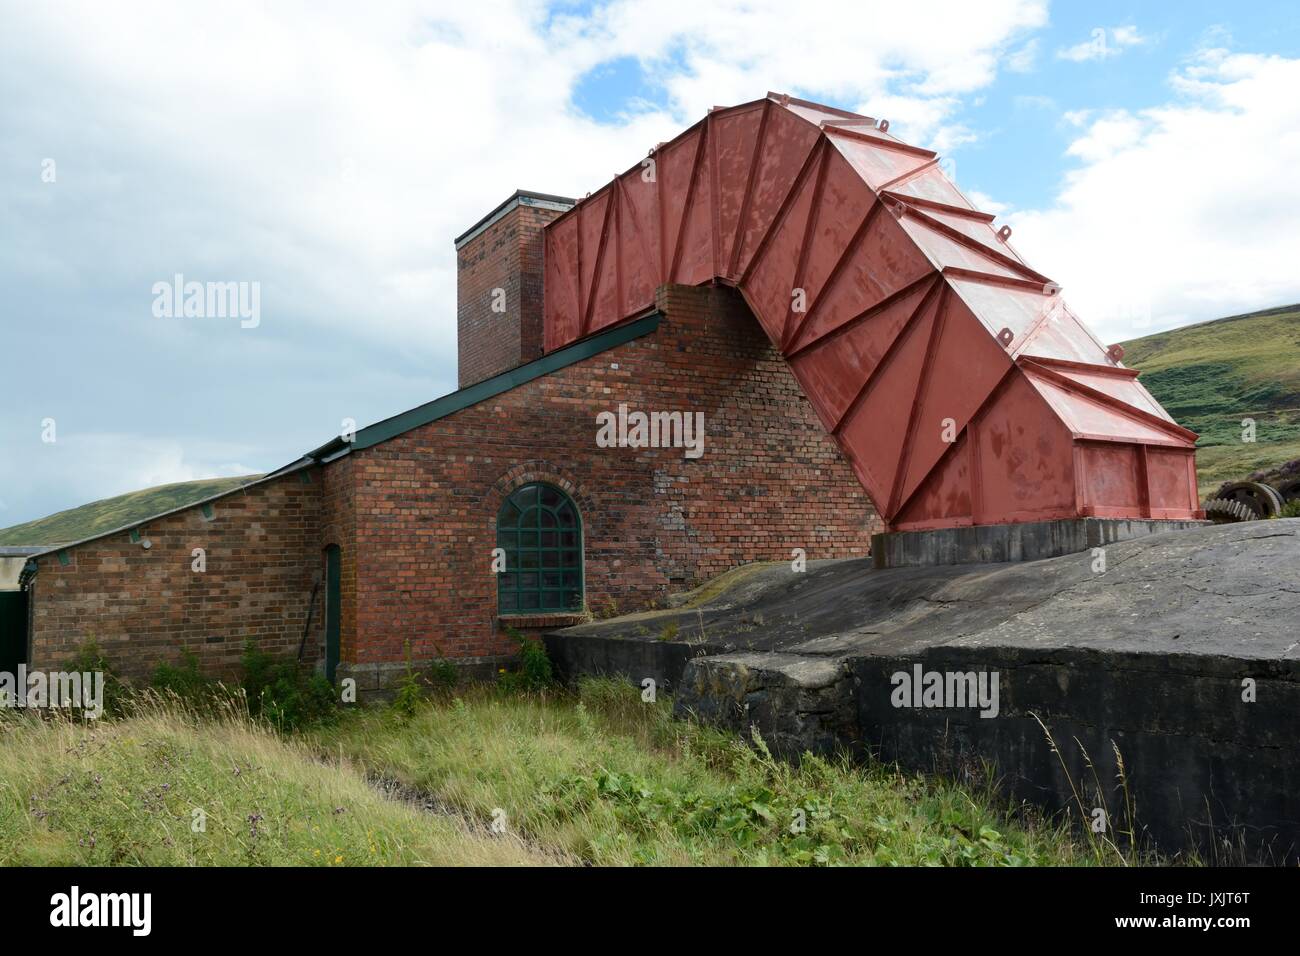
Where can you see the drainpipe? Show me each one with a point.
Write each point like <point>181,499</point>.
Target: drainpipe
<point>27,584</point>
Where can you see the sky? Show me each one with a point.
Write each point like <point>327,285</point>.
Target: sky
<point>1144,154</point>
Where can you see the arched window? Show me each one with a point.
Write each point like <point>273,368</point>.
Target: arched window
<point>541,533</point>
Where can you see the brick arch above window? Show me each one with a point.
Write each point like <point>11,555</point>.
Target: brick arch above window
<point>539,470</point>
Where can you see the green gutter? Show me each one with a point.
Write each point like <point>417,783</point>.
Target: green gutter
<point>490,387</point>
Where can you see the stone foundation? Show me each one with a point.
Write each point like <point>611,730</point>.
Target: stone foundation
<point>1031,541</point>
<point>379,681</point>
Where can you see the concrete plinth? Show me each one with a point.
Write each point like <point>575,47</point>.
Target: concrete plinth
<point>1178,658</point>
<point>1031,541</point>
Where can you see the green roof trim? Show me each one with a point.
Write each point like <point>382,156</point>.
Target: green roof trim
<point>490,387</point>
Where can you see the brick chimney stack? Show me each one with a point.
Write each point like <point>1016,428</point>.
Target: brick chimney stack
<point>499,286</point>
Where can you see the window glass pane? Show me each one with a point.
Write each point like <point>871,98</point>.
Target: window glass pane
<point>538,528</point>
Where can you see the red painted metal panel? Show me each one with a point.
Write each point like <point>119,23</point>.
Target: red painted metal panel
<point>1027,468</point>
<point>957,383</point>
<point>638,242</point>
<point>834,367</point>
<point>1171,496</point>
<point>560,289</point>
<point>1113,478</point>
<point>965,367</point>
<point>787,145</point>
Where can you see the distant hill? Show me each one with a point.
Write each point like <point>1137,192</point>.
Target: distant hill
<point>99,516</point>
<point>1213,375</point>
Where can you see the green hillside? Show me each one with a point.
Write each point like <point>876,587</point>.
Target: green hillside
<point>1213,375</point>
<point>99,516</point>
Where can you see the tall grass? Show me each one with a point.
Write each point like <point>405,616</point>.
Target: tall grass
<point>126,792</point>
<point>488,777</point>
<point>611,780</point>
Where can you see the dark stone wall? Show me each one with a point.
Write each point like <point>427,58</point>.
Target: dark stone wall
<point>1202,768</point>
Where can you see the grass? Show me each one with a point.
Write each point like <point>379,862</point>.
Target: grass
<point>600,777</point>
<point>109,514</point>
<point>124,792</point>
<point>608,779</point>
<point>1213,375</point>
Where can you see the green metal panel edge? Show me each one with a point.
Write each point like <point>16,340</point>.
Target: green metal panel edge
<point>491,387</point>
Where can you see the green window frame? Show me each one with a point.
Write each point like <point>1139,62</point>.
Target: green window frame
<point>540,530</point>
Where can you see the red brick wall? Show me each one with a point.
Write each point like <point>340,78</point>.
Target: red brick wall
<point>506,255</point>
<point>415,516</point>
<point>143,606</point>
<point>770,480</point>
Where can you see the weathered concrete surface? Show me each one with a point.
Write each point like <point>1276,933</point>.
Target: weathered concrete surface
<point>805,703</point>
<point>1147,656</point>
<point>1030,541</point>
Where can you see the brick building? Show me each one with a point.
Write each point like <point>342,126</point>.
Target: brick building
<point>397,535</point>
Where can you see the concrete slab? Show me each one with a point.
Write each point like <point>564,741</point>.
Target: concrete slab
<point>1176,653</point>
<point>1030,541</point>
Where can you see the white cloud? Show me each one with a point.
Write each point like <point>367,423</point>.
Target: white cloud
<point>1023,59</point>
<point>331,151</point>
<point>1102,44</point>
<point>340,149</point>
<point>82,467</point>
<point>1035,102</point>
<point>1114,132</point>
<point>986,203</point>
<point>1182,212</point>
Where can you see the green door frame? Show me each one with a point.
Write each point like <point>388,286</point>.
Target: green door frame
<point>333,581</point>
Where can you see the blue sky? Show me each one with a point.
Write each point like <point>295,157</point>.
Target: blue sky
<point>1143,154</point>
<point>1020,154</point>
